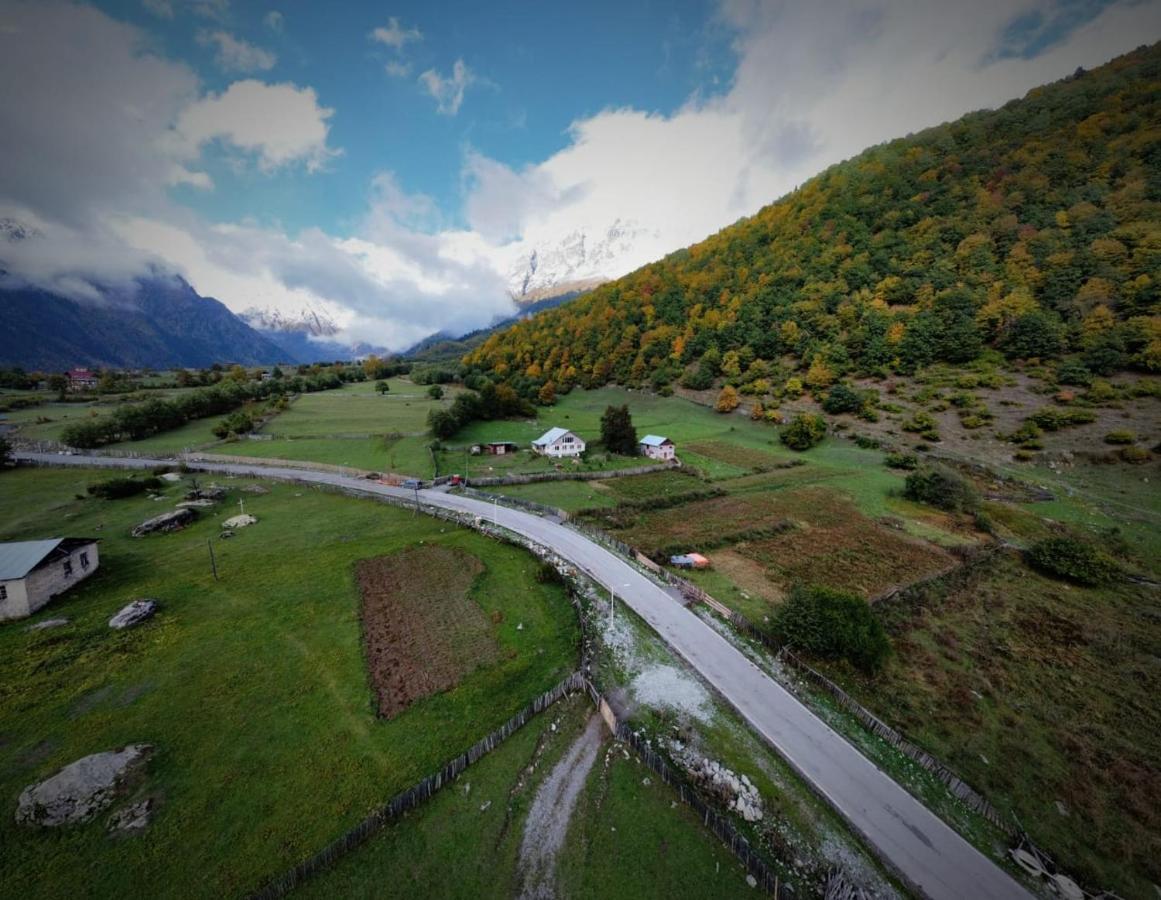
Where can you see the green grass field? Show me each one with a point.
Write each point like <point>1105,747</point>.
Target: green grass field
<point>253,688</point>
<point>358,409</point>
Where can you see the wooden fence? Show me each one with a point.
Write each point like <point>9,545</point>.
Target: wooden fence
<point>415,795</point>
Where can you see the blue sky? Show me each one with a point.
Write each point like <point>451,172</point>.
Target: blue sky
<point>398,166</point>
<point>537,68</point>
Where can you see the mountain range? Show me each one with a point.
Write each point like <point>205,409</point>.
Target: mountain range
<point>159,322</point>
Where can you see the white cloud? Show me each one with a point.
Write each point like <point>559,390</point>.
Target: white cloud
<point>448,92</point>
<point>397,69</point>
<point>813,85</point>
<point>235,54</point>
<point>274,20</point>
<point>279,124</point>
<point>394,35</point>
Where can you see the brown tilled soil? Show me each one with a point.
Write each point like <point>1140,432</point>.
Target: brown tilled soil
<point>422,633</point>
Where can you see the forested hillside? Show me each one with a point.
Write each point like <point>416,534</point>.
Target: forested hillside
<point>1034,229</point>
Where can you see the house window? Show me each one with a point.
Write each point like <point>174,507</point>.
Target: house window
<point>3,592</point>
<point>84,560</point>
<point>68,568</point>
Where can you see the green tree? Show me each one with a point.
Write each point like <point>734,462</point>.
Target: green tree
<point>617,431</point>
<point>435,392</point>
<point>804,431</point>
<point>382,387</point>
<point>5,451</point>
<point>940,487</point>
<point>833,625</point>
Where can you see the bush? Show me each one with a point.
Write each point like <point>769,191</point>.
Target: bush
<point>1052,419</point>
<point>833,625</point>
<point>435,392</point>
<point>1072,559</point>
<point>237,423</point>
<point>1120,437</point>
<point>119,488</point>
<point>727,400</point>
<point>842,399</point>
<point>942,488</point>
<point>804,431</point>
<point>908,461</point>
<point>1074,372</point>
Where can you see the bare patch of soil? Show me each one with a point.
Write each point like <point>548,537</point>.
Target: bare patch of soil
<point>422,632</point>
<point>747,574</point>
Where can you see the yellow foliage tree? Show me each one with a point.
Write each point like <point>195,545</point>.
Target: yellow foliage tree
<point>727,400</point>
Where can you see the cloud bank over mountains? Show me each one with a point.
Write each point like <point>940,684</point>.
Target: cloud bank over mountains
<point>101,133</point>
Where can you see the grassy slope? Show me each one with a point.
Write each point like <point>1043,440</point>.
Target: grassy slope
<point>253,688</point>
<point>1038,691</point>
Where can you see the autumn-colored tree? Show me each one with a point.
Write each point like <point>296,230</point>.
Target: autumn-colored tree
<point>547,394</point>
<point>727,400</point>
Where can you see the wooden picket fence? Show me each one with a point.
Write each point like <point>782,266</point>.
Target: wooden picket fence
<point>413,796</point>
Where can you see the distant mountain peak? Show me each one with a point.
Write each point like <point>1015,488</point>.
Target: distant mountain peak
<point>578,260</point>
<point>306,320</point>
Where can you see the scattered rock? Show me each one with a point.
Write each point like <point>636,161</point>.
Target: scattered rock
<point>47,623</point>
<point>170,521</point>
<point>133,614</point>
<point>226,534</point>
<point>213,492</point>
<point>81,789</point>
<point>520,627</point>
<point>170,476</point>
<point>484,806</point>
<point>256,489</point>
<point>131,818</point>
<point>1061,808</point>
<point>645,781</point>
<point>751,881</point>
<point>195,504</point>
<point>240,521</point>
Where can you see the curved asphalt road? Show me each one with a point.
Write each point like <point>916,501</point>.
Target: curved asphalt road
<point>925,852</point>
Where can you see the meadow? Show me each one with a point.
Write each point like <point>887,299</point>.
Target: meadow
<point>252,687</point>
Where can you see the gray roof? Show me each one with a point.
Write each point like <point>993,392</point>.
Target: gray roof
<point>654,440</point>
<point>553,434</point>
<point>21,557</point>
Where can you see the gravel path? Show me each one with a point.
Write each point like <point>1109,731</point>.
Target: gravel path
<point>547,823</point>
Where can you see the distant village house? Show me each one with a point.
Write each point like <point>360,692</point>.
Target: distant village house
<point>81,379</point>
<point>558,442</point>
<point>33,572</point>
<point>656,447</point>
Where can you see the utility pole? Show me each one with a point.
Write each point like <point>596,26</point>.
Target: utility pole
<point>416,498</point>
<point>213,562</point>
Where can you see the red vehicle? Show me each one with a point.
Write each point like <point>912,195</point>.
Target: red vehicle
<point>456,480</point>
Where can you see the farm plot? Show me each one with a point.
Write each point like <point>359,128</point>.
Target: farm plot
<point>421,630</point>
<point>831,543</point>
<point>740,457</point>
<point>652,486</point>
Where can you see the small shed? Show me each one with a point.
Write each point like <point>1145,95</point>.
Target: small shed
<point>656,446</point>
<point>558,442</point>
<point>33,572</point>
<point>499,448</point>
<point>689,561</point>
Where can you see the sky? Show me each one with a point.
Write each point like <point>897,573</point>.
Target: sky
<point>389,164</point>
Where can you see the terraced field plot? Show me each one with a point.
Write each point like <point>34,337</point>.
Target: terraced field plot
<point>741,457</point>
<point>422,632</point>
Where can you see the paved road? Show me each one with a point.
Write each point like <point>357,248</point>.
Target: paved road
<point>916,843</point>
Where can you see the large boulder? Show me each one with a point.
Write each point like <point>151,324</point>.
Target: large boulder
<point>81,789</point>
<point>169,521</point>
<point>133,614</point>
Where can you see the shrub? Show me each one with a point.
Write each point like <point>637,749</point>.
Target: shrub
<point>1051,419</point>
<point>842,398</point>
<point>942,488</point>
<point>435,392</point>
<point>907,461</point>
<point>727,400</point>
<point>1120,437</point>
<point>924,424</point>
<point>1074,372</point>
<point>1072,559</point>
<point>833,625</point>
<point>804,431</point>
<point>237,423</point>
<point>118,488</point>
<point>1134,454</point>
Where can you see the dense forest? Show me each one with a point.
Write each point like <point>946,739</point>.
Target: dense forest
<point>1033,230</point>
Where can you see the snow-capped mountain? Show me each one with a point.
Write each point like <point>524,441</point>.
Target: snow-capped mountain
<point>577,261</point>
<point>304,321</point>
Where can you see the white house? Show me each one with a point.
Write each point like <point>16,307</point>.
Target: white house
<point>656,447</point>
<point>33,572</point>
<point>558,442</point>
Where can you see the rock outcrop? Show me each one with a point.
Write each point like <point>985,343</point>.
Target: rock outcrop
<point>133,614</point>
<point>81,789</point>
<point>169,521</point>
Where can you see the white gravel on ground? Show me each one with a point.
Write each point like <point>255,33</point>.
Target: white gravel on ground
<point>667,687</point>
